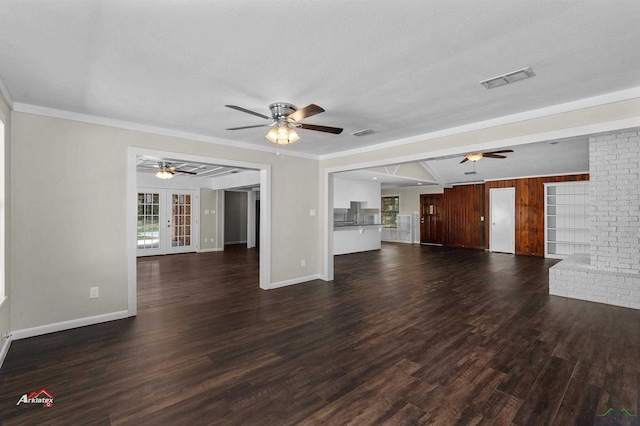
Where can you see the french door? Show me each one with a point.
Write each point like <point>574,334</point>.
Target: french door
<point>167,220</point>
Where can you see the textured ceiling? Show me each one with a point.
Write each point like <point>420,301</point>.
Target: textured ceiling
<point>400,68</point>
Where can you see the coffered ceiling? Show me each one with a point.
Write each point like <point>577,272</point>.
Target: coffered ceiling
<point>402,69</point>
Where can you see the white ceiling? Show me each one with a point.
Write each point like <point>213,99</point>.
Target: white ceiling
<point>400,68</point>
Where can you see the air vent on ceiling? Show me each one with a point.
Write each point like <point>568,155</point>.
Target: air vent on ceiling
<point>364,132</point>
<point>511,77</point>
<point>469,173</point>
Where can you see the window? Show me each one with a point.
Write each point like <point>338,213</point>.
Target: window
<point>2,212</point>
<point>390,210</point>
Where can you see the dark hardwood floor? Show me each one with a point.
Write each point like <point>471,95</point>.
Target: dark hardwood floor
<point>404,335</point>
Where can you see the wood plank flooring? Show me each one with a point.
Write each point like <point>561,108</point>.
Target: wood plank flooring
<point>404,335</point>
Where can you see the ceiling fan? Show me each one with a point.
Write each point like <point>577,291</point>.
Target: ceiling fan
<point>284,119</point>
<point>492,154</point>
<point>167,170</point>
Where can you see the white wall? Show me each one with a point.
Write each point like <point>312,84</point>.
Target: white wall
<point>71,228</point>
<point>211,220</point>
<point>5,180</point>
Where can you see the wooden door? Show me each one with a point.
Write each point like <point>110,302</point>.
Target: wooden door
<point>430,219</point>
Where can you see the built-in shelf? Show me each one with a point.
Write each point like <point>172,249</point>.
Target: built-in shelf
<point>566,219</point>
<point>403,233</point>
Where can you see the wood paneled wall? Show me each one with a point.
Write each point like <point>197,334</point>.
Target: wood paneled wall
<point>463,207</point>
<point>529,210</point>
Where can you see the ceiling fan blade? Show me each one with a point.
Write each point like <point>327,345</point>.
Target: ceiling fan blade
<point>499,152</point>
<point>248,127</point>
<point>248,111</point>
<point>465,160</point>
<point>308,111</point>
<point>327,129</point>
<point>491,155</point>
<point>185,172</point>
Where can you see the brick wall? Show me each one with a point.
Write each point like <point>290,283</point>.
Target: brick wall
<point>614,163</point>
<point>610,273</point>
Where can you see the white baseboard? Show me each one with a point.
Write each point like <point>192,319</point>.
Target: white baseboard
<point>210,250</point>
<point>67,325</point>
<point>297,281</point>
<point>4,350</point>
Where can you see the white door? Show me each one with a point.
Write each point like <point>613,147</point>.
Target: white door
<point>502,233</point>
<point>150,216</point>
<point>180,221</point>
<point>167,220</point>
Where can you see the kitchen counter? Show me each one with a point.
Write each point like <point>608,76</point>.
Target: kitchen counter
<point>353,238</point>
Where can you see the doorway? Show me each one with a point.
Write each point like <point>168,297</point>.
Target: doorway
<point>502,214</point>
<point>431,219</point>
<point>264,170</point>
<point>167,221</point>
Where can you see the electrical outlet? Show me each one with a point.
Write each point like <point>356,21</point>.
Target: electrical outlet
<point>206,240</point>
<point>94,292</point>
<point>303,262</point>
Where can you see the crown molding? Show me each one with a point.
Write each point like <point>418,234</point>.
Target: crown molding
<point>128,125</point>
<point>594,101</point>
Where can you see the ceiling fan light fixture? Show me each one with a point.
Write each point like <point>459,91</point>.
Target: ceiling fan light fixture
<point>282,135</point>
<point>164,174</point>
<point>474,157</point>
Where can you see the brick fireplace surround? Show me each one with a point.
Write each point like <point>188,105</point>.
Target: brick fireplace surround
<point>610,272</point>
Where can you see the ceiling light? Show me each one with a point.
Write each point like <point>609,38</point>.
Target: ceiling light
<point>474,157</point>
<point>282,135</point>
<point>164,174</point>
<point>511,77</point>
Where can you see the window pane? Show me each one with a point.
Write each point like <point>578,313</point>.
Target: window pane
<point>390,210</point>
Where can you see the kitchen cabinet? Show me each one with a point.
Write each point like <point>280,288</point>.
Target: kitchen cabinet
<point>347,190</point>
